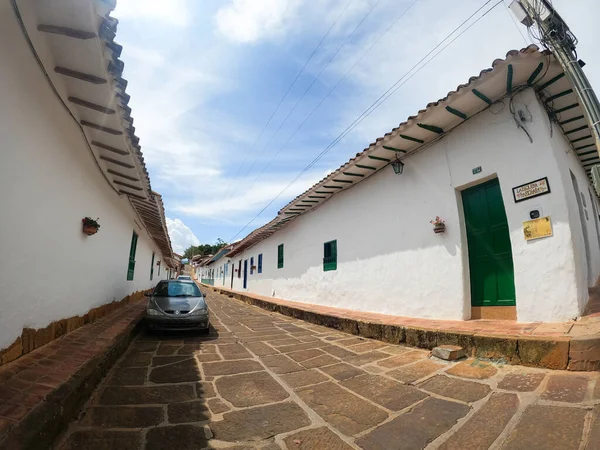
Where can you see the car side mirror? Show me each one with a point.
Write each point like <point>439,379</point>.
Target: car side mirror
<point>147,294</point>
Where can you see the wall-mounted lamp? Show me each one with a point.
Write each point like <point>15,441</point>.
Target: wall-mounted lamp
<point>398,166</point>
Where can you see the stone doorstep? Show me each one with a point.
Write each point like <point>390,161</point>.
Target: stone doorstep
<point>550,352</point>
<point>41,425</point>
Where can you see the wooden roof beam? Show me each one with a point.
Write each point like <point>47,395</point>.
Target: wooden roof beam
<point>80,75</point>
<point>117,162</point>
<point>101,128</point>
<point>66,31</point>
<point>90,105</point>
<point>122,175</point>
<point>109,148</point>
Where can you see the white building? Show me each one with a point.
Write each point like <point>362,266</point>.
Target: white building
<point>69,151</point>
<point>509,146</point>
<point>215,270</point>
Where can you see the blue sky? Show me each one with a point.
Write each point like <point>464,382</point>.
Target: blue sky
<point>205,76</point>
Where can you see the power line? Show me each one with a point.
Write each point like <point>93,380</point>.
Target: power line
<point>288,91</point>
<point>310,87</point>
<point>384,97</point>
<point>331,91</point>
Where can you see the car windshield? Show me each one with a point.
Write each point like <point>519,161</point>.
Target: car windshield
<point>176,289</point>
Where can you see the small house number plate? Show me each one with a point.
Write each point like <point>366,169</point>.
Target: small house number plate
<point>477,170</point>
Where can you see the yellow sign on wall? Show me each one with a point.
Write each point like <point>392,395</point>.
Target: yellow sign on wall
<point>537,228</point>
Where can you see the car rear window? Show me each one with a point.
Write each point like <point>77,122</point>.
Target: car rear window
<point>174,289</point>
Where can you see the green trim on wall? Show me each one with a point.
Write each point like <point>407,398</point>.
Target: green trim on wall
<point>350,174</point>
<point>535,73</point>
<point>575,130</point>
<point>366,167</point>
<point>559,95</point>
<point>333,187</point>
<point>551,81</point>
<point>343,181</point>
<point>316,196</point>
<point>432,128</point>
<point>393,149</point>
<point>456,112</point>
<point>322,192</point>
<point>410,138</point>
<point>379,158</point>
<point>566,108</point>
<point>482,96</point>
<point>309,201</point>
<point>581,139</point>
<point>509,78</point>
<point>573,119</point>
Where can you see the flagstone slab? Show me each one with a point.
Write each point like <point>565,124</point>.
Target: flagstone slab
<point>182,412</point>
<point>281,364</point>
<point>482,429</point>
<point>316,439</point>
<point>521,382</point>
<point>547,428</point>
<point>342,371</point>
<point>413,372</point>
<point>415,428</point>
<point>179,437</point>
<point>304,378</point>
<point>179,372</point>
<point>566,388</point>
<point>230,367</point>
<point>383,391</point>
<point>347,412</point>
<point>118,395</point>
<point>255,424</point>
<point>99,439</point>
<point>250,389</point>
<point>123,416</point>
<point>466,391</point>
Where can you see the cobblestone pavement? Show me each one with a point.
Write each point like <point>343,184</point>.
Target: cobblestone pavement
<point>265,381</point>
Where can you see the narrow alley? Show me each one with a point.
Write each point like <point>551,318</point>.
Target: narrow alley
<point>261,380</point>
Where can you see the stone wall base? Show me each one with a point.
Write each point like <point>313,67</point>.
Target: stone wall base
<point>31,339</point>
<point>550,352</point>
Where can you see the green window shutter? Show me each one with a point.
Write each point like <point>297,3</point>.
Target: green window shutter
<point>132,249</point>
<point>280,256</point>
<point>152,267</point>
<point>330,255</point>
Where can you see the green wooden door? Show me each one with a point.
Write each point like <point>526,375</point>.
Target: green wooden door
<point>490,252</point>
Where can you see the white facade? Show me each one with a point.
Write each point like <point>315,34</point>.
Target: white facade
<point>50,181</point>
<point>390,261</point>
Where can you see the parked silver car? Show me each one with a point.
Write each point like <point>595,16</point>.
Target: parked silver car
<point>177,305</point>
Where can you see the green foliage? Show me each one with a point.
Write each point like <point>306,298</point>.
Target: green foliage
<point>204,249</point>
<point>89,222</point>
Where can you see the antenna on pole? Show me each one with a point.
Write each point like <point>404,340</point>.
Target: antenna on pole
<point>555,35</point>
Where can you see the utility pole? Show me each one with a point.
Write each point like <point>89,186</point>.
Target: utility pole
<point>555,34</point>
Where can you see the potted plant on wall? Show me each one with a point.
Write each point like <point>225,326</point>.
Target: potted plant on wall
<point>438,225</point>
<point>90,226</point>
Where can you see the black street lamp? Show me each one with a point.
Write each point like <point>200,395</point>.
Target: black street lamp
<point>398,166</point>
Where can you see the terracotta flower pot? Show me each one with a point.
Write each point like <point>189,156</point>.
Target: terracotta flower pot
<point>439,228</point>
<point>90,230</point>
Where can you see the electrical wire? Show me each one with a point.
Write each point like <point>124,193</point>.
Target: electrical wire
<point>385,96</point>
<point>288,91</point>
<point>311,85</point>
<point>285,144</point>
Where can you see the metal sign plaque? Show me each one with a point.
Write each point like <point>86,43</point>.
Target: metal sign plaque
<point>537,228</point>
<point>531,189</point>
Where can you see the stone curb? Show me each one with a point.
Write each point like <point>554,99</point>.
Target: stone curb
<point>48,419</point>
<point>550,352</point>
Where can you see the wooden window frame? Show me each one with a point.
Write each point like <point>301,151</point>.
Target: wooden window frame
<point>280,256</point>
<point>330,255</point>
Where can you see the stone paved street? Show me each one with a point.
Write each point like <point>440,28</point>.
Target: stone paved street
<point>265,381</point>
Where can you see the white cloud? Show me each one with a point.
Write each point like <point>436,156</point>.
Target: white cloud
<point>181,236</point>
<point>251,20</point>
<point>173,12</point>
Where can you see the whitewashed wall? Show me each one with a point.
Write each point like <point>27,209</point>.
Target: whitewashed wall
<point>389,259</point>
<point>50,269</point>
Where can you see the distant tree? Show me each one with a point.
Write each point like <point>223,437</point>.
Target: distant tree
<point>204,249</point>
